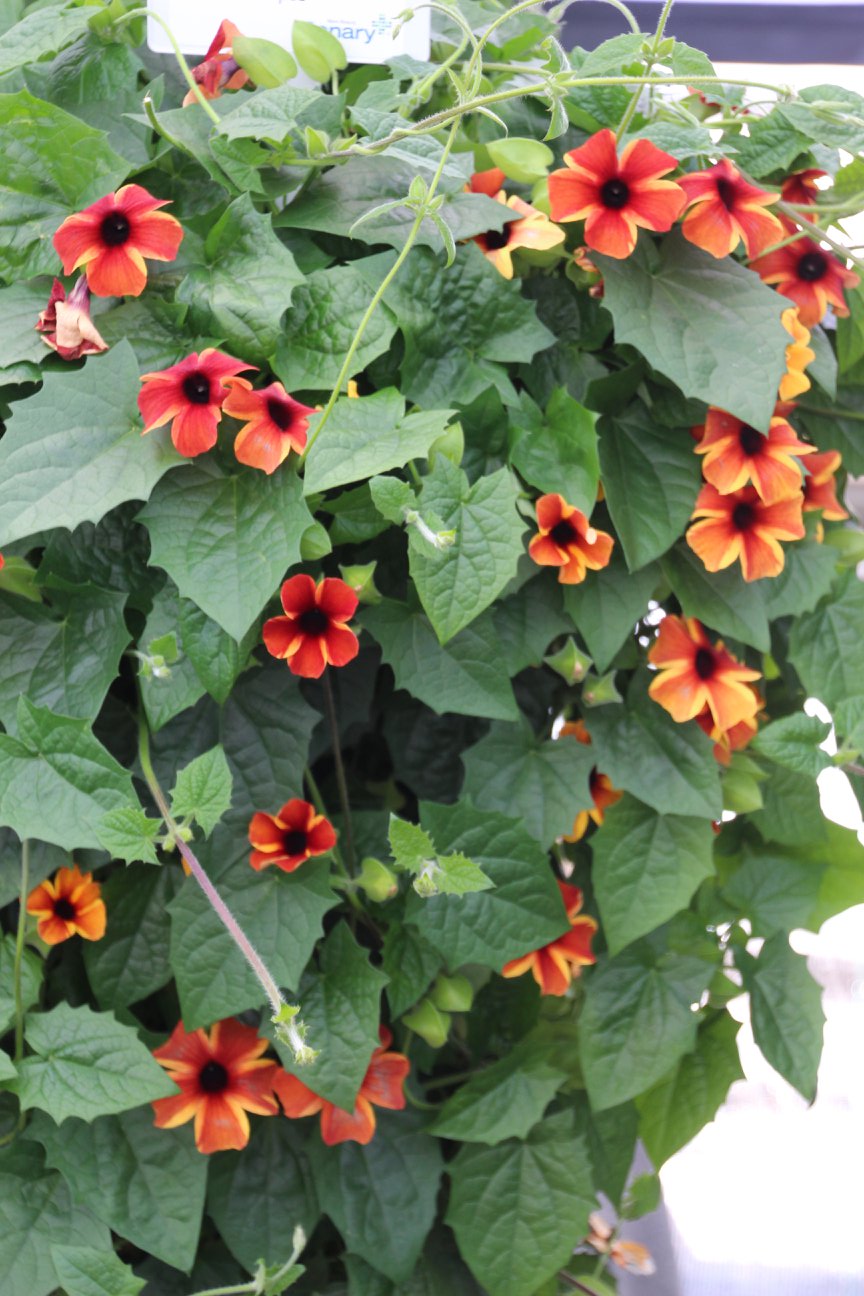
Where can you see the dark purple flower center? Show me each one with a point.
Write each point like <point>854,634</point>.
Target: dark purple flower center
<point>704,663</point>
<point>213,1077</point>
<point>313,621</point>
<point>751,441</point>
<point>743,517</point>
<point>615,194</point>
<point>294,842</point>
<point>727,193</point>
<point>64,909</point>
<point>115,229</point>
<point>280,413</point>
<point>562,533</point>
<point>493,240</point>
<point>812,267</point>
<point>196,388</point>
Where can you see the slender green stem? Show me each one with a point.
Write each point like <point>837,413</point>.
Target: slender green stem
<point>572,1282</point>
<point>811,230</point>
<point>254,1286</point>
<point>341,781</point>
<point>781,243</point>
<point>178,54</point>
<point>622,9</point>
<point>655,48</point>
<point>23,893</point>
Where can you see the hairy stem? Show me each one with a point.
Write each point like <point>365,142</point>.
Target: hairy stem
<point>178,54</point>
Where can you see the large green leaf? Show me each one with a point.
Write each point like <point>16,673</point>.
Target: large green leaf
<point>776,888</point>
<point>365,1189</point>
<point>86,1064</point>
<point>131,959</point>
<point>466,676</point>
<point>520,1208</point>
<point>560,454</point>
<point>711,326</point>
<point>638,1018</point>
<point>145,1184</point>
<point>668,766</point>
<point>20,305</point>
<point>607,605</point>
<point>32,968</point>
<point>341,1007</point>
<point>245,288</point>
<point>57,780</point>
<point>38,35</point>
<point>325,314</point>
<point>526,622</point>
<point>455,583</point>
<point>808,574</point>
<point>87,1271</point>
<point>273,1172</point>
<point>722,600</point>
<point>837,425</point>
<point>203,790</point>
<point>165,697</point>
<point>227,539</point>
<point>36,1211</point>
<point>369,435</point>
<point>636,449</point>
<point>826,648</point>
<point>678,1106</point>
<point>646,868</point>
<point>795,743</point>
<point>410,964</point>
<point>74,450</point>
<point>523,910</point>
<point>786,1011</point>
<point>51,166</point>
<point>216,657</point>
<point>544,782</point>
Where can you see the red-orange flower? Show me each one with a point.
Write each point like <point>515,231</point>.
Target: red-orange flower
<point>219,70</point>
<point>725,210</point>
<point>740,526</point>
<point>289,838</point>
<point>736,454</point>
<point>221,1076</point>
<point>567,540</point>
<point>111,238</point>
<point>616,196</point>
<point>489,182</point>
<point>555,965</point>
<point>313,632</point>
<point>531,230</point>
<point>728,740</point>
<point>694,674</point>
<point>801,188</point>
<point>382,1087</point>
<point>69,904</point>
<point>820,488</point>
<point>798,356</point>
<point>808,275</point>
<point>65,323</point>
<point>275,423</point>
<point>191,395</point>
<point>603,793</point>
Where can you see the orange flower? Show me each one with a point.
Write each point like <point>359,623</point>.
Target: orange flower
<point>531,230</point>
<point>820,488</point>
<point>221,1076</point>
<point>555,965</point>
<point>616,196</point>
<point>219,70</point>
<point>694,674</point>
<point>65,324</point>
<point>798,356</point>
<point>111,238</point>
<point>630,1256</point>
<point>314,631</point>
<point>736,454</point>
<point>809,275</point>
<point>489,182</point>
<point>382,1087</point>
<point>190,395</point>
<point>801,188</point>
<point>725,210</point>
<point>603,793</point>
<point>567,540</point>
<point>275,422</point>
<point>69,904</point>
<point>728,740</point>
<point>740,525</point>
<point>289,838</point>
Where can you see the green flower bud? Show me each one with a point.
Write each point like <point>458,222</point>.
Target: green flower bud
<point>377,880</point>
<point>571,664</point>
<point>429,1022</point>
<point>361,579</point>
<point>452,993</point>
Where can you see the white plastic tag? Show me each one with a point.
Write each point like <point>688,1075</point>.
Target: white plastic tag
<point>365,27</point>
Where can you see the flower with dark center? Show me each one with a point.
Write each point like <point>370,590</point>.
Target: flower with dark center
<point>274,424</point>
<point>221,1075</point>
<point>554,966</point>
<point>65,323</point>
<point>615,196</point>
<point>820,488</point>
<point>531,229</point>
<point>290,837</point>
<point>696,675</point>
<point>313,633</point>
<point>112,238</point>
<point>219,70</point>
<point>736,454</point>
<point>808,275</point>
<point>190,395</point>
<point>742,526</point>
<point>801,188</point>
<point>69,904</point>
<point>383,1086</point>
<point>567,540</point>
<point>725,210</point>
